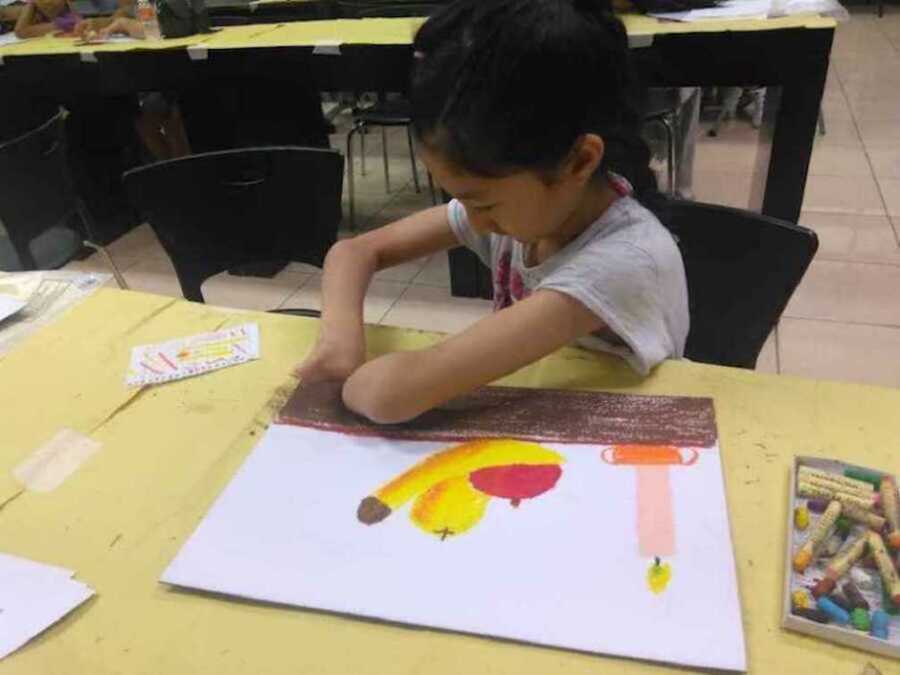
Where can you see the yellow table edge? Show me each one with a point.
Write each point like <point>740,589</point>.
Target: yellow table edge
<point>397,31</point>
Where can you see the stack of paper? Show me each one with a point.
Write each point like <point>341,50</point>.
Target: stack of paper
<point>9,306</point>
<point>730,9</point>
<point>33,597</point>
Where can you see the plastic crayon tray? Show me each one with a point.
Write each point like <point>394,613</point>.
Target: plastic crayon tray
<point>830,556</point>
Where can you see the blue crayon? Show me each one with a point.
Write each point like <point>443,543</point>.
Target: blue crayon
<point>880,621</point>
<point>832,609</point>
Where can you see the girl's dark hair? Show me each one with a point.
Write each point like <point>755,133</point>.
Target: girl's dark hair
<point>506,85</point>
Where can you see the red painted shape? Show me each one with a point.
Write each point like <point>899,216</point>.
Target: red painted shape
<point>516,481</point>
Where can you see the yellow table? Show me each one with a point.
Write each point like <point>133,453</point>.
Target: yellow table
<point>168,451</point>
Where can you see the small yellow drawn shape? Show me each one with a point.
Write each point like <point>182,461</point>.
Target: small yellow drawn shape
<point>450,507</point>
<point>801,517</point>
<point>658,576</point>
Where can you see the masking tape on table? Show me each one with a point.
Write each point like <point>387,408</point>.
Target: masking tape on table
<point>50,465</point>
<point>198,52</point>
<point>327,48</point>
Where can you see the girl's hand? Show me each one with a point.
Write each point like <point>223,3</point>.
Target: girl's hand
<point>331,360</point>
<point>124,26</point>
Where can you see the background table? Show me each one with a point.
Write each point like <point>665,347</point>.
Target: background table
<point>168,451</point>
<point>789,53</point>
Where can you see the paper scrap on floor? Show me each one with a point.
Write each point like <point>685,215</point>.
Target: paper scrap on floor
<point>9,306</point>
<point>33,597</point>
<point>194,355</point>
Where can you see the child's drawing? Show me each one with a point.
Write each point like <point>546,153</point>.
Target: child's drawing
<point>573,519</point>
<point>452,487</point>
<point>655,520</point>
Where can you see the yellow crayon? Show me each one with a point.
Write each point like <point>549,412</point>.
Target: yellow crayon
<point>814,491</point>
<point>842,563</point>
<point>890,503</point>
<point>823,527</point>
<point>841,483</point>
<point>860,515</point>
<point>885,565</point>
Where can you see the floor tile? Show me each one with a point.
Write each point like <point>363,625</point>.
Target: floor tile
<point>890,191</point>
<point>853,238</point>
<point>885,159</point>
<point>729,189</point>
<point>713,155</point>
<point>256,293</point>
<point>839,160</point>
<point>849,292</point>
<point>843,194</point>
<point>875,132</point>
<point>840,351</point>
<point>134,246</point>
<point>405,272</point>
<point>155,275</point>
<point>436,272</point>
<point>768,357</point>
<point>839,131</point>
<point>381,297</point>
<point>433,308</point>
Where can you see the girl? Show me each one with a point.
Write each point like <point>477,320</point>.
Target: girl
<point>524,113</point>
<point>40,17</point>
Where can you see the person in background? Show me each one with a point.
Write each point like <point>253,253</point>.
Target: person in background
<point>42,17</point>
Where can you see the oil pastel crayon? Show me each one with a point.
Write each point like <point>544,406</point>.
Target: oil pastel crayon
<point>835,613</point>
<point>803,557</point>
<point>880,623</point>
<point>854,595</point>
<point>816,615</point>
<point>859,619</point>
<point>890,504</point>
<point>889,577</point>
<point>865,475</point>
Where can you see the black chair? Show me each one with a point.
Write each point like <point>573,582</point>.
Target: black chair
<point>37,192</point>
<point>223,210</point>
<point>742,269</point>
<point>384,113</point>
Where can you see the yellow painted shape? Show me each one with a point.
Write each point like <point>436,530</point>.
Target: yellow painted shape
<point>461,460</point>
<point>168,454</point>
<point>658,576</point>
<point>450,507</point>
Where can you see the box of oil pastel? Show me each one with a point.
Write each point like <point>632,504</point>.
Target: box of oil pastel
<point>841,567</point>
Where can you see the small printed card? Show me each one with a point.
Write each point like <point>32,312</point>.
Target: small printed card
<point>194,355</point>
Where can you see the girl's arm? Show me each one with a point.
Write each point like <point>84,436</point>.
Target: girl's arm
<point>349,266</point>
<point>26,29</point>
<point>400,386</point>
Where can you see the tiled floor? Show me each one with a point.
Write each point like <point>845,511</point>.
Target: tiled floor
<point>844,321</point>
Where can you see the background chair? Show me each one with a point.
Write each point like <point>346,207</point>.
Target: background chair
<point>383,113</point>
<point>222,210</point>
<point>38,196</point>
<point>742,269</point>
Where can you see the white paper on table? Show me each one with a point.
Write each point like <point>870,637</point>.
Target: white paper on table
<point>194,355</point>
<point>9,306</point>
<point>563,569</point>
<point>8,38</point>
<point>730,9</point>
<point>33,597</point>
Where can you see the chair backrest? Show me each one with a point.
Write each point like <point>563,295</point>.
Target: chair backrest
<point>742,269</point>
<point>221,210</point>
<point>36,191</point>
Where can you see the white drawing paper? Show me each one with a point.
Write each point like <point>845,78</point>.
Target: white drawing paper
<point>194,355</point>
<point>33,597</point>
<point>9,306</point>
<point>566,554</point>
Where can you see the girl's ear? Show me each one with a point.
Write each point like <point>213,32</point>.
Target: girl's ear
<point>585,158</point>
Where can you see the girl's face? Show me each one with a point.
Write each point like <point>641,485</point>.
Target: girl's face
<point>524,205</point>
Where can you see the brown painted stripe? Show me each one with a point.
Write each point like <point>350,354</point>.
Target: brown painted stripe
<point>562,416</point>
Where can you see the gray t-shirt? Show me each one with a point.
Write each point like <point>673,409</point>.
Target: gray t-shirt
<point>625,267</point>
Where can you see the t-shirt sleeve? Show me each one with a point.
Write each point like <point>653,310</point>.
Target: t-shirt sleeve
<point>480,244</point>
<point>620,284</point>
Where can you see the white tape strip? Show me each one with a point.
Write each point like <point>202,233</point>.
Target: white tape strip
<point>52,463</point>
<point>198,52</point>
<point>88,57</point>
<point>327,48</point>
<point>639,41</point>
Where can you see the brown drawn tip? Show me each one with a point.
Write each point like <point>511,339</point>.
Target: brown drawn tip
<point>372,510</point>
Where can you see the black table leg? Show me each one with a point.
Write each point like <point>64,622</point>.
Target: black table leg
<point>786,138</point>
